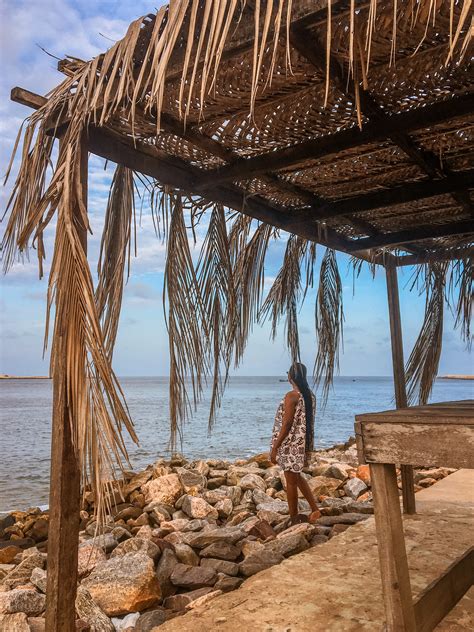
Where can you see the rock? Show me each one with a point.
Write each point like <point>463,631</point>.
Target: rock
<point>8,553</point>
<point>262,460</point>
<point>304,528</point>
<point>288,545</point>
<point>238,518</point>
<point>224,507</point>
<point>214,483</point>
<point>262,529</point>
<point>436,473</point>
<point>126,624</point>
<point>193,577</point>
<point>39,530</point>
<point>220,566</point>
<point>149,620</point>
<point>250,546</point>
<point>276,506</point>
<point>168,561</point>
<point>17,622</point>
<point>259,561</point>
<point>124,584</point>
<point>358,506</point>
<point>198,508</point>
<point>338,528</point>
<point>22,573</point>
<point>201,601</point>
<point>107,542</point>
<point>252,481</point>
<point>179,524</point>
<point>363,472</point>
<point>128,512</point>
<point>137,481</point>
<point>89,555</point>
<point>135,545</point>
<point>120,533</point>
<point>202,467</point>
<point>338,470</point>
<point>145,532</point>
<point>426,482</point>
<point>226,583</point>
<point>166,489</point>
<point>30,602</point>
<point>222,551</point>
<point>272,517</point>
<point>354,488</point>
<point>230,535</point>
<point>318,539</point>
<point>324,486</point>
<point>345,518</point>
<point>90,612</point>
<point>5,569</point>
<point>186,555</point>
<point>179,602</point>
<point>191,480</point>
<point>38,578</point>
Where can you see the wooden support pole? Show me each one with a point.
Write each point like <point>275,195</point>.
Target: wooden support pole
<point>399,612</point>
<point>408,490</point>
<point>64,499</point>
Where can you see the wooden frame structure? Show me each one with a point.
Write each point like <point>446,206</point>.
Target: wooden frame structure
<point>328,154</point>
<point>437,433</point>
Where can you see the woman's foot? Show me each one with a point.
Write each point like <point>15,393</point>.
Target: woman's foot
<point>313,517</point>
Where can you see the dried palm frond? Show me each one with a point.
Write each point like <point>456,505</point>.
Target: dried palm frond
<point>461,281</point>
<point>329,315</point>
<point>184,320</point>
<point>115,253</point>
<point>422,366</point>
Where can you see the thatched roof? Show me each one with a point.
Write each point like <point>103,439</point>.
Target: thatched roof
<point>346,123</point>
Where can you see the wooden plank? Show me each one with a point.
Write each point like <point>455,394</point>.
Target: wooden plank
<point>440,597</point>
<point>430,257</point>
<point>431,231</point>
<point>438,412</point>
<point>332,144</point>
<point>359,443</point>
<point>64,501</point>
<point>394,573</point>
<point>420,444</point>
<point>396,337</point>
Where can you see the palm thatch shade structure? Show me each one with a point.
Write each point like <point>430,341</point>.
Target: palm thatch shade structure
<point>346,124</point>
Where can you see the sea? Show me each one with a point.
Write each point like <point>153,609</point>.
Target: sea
<point>243,426</point>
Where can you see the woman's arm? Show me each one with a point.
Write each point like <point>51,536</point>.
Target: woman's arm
<point>289,407</point>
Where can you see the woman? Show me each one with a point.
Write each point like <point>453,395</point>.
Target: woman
<point>293,437</point>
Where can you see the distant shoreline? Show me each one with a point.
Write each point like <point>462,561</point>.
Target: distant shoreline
<point>24,377</point>
<point>455,377</point>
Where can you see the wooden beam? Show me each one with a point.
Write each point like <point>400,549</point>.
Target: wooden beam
<point>396,589</point>
<point>64,500</point>
<point>421,233</point>
<point>440,255</point>
<point>443,594</point>
<point>332,144</point>
<point>396,338</point>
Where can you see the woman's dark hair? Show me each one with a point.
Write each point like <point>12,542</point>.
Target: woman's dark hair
<point>297,374</point>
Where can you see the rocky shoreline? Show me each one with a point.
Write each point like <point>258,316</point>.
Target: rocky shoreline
<point>181,532</point>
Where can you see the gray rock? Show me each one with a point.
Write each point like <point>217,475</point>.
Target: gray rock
<point>89,611</point>
<point>168,561</point>
<point>288,545</point>
<point>178,603</point>
<point>135,545</point>
<point>17,622</point>
<point>231,535</point>
<point>345,518</point>
<point>259,561</point>
<point>39,579</point>
<point>127,623</point>
<point>22,573</point>
<point>196,507</point>
<point>107,542</point>
<point>226,583</point>
<point>186,555</point>
<point>191,479</point>
<point>30,602</point>
<point>224,507</point>
<point>365,507</point>
<point>252,481</point>
<point>354,488</point>
<point>318,539</point>
<point>339,471</point>
<point>149,620</point>
<point>220,566</point>
<point>222,551</point>
<point>193,577</point>
<point>277,506</point>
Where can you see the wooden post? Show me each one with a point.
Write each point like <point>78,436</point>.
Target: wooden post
<point>408,490</point>
<point>64,499</point>
<point>399,612</point>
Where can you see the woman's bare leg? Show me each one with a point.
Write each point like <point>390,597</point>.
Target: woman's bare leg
<point>302,483</point>
<point>292,494</point>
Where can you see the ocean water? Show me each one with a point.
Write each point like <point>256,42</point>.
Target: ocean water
<point>243,426</point>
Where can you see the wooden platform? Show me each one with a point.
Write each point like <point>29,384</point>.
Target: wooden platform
<point>335,587</point>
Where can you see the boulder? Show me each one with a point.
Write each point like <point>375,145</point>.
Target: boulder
<point>8,553</point>
<point>318,539</point>
<point>221,551</point>
<point>338,528</point>
<point>186,555</point>
<point>17,622</point>
<point>106,541</point>
<point>359,506</point>
<point>363,472</point>
<point>226,583</point>
<point>5,569</point>
<point>252,481</point>
<point>127,624</point>
<point>191,479</point>
<point>262,460</point>
<point>215,483</point>
<point>288,545</point>
<point>224,507</point>
<point>196,507</point>
<point>202,467</point>
<point>272,517</point>
<point>238,518</point>
<point>193,577</point>
<point>277,506</point>
<point>250,546</point>
<point>88,556</point>
<point>166,489</point>
<point>179,524</point>
<point>124,584</point>
<point>148,621</point>
<point>259,561</point>
<point>39,530</point>
<point>30,602</point>
<point>168,561</point>
<point>345,518</point>
<point>324,486</point>
<point>220,566</point>
<point>354,488</point>
<point>137,545</point>
<point>38,578</point>
<point>426,482</point>
<point>230,535</point>
<point>89,611</point>
<point>178,603</point>
<point>262,530</point>
<point>21,574</point>
<point>338,470</point>
<point>137,481</point>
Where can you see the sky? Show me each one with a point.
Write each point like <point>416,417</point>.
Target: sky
<point>83,29</point>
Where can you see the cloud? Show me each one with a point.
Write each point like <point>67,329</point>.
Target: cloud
<point>142,291</point>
